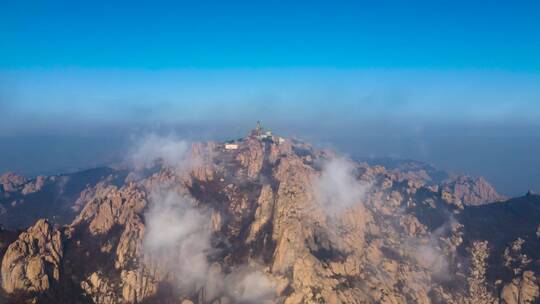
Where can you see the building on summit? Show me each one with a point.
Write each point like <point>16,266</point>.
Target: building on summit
<point>261,134</point>
<point>231,146</point>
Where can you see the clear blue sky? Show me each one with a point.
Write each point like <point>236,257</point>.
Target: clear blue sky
<point>473,60</point>
<point>409,73</point>
<point>231,34</point>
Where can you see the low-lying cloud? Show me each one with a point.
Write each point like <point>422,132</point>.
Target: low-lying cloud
<point>250,286</point>
<point>169,150</point>
<point>337,188</point>
<point>432,251</point>
<point>178,235</point>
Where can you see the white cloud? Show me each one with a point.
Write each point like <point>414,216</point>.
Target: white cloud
<point>172,152</point>
<point>337,187</point>
<point>250,286</point>
<point>178,235</point>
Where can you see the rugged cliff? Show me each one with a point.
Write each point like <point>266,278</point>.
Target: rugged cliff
<point>23,201</point>
<point>272,220</point>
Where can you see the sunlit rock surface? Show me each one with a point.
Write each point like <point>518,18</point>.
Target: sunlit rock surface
<point>278,221</point>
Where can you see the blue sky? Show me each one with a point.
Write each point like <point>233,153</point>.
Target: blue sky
<point>407,73</point>
<point>66,100</point>
<point>475,62</point>
<point>232,34</point>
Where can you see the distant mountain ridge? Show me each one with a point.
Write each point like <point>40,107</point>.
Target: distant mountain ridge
<point>23,201</point>
<point>470,190</point>
<point>266,219</point>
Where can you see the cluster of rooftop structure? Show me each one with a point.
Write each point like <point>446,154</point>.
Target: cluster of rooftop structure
<point>231,146</point>
<point>260,134</point>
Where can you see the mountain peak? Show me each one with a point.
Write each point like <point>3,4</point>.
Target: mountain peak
<point>263,219</point>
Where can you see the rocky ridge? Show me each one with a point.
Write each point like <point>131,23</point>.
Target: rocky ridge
<point>468,190</point>
<point>23,201</point>
<point>272,221</point>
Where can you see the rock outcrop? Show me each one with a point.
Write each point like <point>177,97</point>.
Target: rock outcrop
<point>472,191</point>
<point>32,263</point>
<point>523,290</point>
<point>57,198</point>
<point>10,182</point>
<point>264,223</point>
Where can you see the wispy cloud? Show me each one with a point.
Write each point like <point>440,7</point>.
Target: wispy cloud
<point>169,150</point>
<point>337,187</point>
<point>178,236</point>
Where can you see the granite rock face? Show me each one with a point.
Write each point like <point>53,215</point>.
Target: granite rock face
<point>472,191</point>
<point>272,221</point>
<point>521,290</point>
<point>58,198</point>
<point>10,182</point>
<point>462,189</point>
<point>32,263</point>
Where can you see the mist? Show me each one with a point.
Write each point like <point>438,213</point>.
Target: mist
<point>179,232</point>
<point>482,123</point>
<point>170,151</point>
<point>337,188</point>
<point>178,237</point>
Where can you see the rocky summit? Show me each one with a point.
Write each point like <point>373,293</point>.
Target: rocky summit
<point>264,219</point>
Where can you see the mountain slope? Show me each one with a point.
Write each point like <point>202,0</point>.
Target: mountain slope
<point>271,220</point>
<point>23,202</point>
